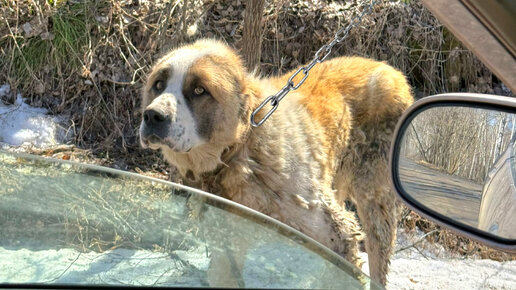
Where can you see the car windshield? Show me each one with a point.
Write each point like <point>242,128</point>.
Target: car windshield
<point>66,223</point>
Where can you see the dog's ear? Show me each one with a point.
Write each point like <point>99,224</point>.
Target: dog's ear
<point>251,96</point>
<point>249,99</point>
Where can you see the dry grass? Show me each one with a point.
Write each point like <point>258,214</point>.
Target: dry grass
<point>411,221</point>
<point>99,213</point>
<point>88,59</point>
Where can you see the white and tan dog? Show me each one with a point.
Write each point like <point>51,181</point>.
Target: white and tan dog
<point>327,142</point>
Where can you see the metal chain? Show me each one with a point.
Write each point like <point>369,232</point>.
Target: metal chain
<point>319,57</point>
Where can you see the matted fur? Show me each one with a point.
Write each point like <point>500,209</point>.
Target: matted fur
<point>327,142</point>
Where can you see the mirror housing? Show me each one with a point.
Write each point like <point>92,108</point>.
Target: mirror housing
<point>414,198</point>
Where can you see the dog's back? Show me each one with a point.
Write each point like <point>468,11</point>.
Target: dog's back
<point>350,96</point>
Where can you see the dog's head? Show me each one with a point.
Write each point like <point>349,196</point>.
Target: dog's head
<point>195,96</point>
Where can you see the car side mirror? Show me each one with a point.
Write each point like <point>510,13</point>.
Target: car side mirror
<point>453,161</point>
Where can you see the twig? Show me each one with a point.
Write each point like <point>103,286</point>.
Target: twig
<point>66,270</point>
<point>183,20</point>
<point>417,242</point>
<point>163,25</point>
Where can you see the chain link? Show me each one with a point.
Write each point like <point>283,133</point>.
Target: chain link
<point>319,57</point>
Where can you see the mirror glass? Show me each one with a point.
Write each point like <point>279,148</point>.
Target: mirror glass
<point>459,162</point>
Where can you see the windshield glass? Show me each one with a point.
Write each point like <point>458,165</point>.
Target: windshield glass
<point>66,223</point>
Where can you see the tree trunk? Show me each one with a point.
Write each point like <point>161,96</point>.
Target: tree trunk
<point>499,138</point>
<point>252,34</point>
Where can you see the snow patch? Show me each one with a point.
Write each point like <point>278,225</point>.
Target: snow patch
<point>21,124</point>
<point>430,266</point>
<point>422,273</point>
<point>119,266</point>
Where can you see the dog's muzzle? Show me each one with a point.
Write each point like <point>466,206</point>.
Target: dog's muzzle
<point>157,130</point>
<point>154,128</point>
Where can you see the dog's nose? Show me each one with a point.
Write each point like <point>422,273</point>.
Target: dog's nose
<point>152,117</point>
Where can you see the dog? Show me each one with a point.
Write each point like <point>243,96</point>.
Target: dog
<point>327,142</point>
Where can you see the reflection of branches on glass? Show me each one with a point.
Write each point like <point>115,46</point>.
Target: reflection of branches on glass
<point>460,141</point>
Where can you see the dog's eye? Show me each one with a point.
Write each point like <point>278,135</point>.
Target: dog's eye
<point>198,91</point>
<point>158,86</point>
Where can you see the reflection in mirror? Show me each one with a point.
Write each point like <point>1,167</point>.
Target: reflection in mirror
<point>459,162</point>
